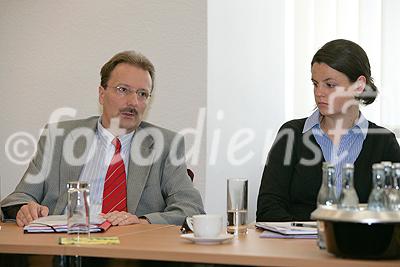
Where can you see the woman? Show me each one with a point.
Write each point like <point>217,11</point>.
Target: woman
<point>336,132</point>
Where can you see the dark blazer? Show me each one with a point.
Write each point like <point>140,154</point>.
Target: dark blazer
<point>289,192</point>
<point>159,188</point>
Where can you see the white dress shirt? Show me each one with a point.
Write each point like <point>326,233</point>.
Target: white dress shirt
<point>100,155</point>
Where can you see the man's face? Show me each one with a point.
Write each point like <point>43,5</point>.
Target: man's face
<point>121,109</point>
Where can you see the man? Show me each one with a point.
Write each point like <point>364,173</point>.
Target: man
<point>136,170</point>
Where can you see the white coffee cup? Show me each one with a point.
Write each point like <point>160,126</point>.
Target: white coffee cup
<point>205,225</point>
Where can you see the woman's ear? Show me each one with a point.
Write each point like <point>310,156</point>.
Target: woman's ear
<point>360,84</point>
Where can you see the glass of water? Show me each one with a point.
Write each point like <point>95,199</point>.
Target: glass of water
<point>237,206</point>
<point>78,214</point>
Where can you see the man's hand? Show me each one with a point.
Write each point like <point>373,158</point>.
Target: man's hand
<point>123,218</point>
<point>29,212</point>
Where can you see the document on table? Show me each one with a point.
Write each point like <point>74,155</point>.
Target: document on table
<point>288,229</point>
<point>58,224</point>
<point>104,240</point>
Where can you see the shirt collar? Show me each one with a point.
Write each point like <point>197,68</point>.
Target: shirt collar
<point>361,124</point>
<point>106,136</point>
<point>311,121</point>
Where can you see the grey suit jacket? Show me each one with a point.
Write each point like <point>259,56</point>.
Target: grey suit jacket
<point>158,186</point>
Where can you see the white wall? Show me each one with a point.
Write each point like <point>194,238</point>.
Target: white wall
<point>52,52</point>
<point>245,95</point>
<point>390,92</point>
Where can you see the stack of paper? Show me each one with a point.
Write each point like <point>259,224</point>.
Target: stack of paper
<point>58,223</point>
<point>288,229</point>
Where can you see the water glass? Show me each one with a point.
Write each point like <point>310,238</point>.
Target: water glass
<point>237,206</point>
<point>78,209</point>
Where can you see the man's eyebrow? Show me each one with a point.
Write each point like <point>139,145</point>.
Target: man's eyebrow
<point>127,85</point>
<point>124,84</point>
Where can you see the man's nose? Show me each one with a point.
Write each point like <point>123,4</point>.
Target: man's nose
<point>132,99</point>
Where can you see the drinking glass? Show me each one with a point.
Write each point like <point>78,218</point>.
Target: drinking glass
<point>78,209</point>
<point>237,206</point>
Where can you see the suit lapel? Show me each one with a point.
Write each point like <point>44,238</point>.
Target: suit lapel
<point>78,141</point>
<point>140,162</point>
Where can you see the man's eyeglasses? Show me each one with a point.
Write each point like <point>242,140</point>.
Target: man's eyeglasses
<point>121,90</point>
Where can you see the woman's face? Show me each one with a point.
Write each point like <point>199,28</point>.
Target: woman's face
<point>333,91</point>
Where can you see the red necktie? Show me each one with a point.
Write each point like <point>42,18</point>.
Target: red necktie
<point>114,194</point>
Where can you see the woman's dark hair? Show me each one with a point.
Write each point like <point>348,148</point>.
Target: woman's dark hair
<point>350,59</point>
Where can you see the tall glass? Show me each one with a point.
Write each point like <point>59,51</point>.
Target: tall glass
<point>237,206</point>
<point>78,209</point>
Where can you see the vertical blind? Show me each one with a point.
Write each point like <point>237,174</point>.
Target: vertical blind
<point>309,24</point>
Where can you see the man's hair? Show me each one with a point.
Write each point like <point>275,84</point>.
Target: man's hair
<point>129,57</point>
<point>350,59</point>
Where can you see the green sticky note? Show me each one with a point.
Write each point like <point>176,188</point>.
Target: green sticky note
<point>110,240</point>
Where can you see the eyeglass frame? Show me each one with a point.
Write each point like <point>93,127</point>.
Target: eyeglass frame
<point>131,91</point>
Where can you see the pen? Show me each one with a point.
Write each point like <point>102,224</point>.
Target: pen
<point>303,225</point>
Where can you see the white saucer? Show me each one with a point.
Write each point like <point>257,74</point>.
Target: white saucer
<point>207,240</point>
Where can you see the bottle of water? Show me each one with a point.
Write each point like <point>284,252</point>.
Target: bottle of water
<point>348,198</point>
<point>326,197</point>
<point>394,194</point>
<point>376,200</point>
<point>327,192</point>
<point>388,181</point>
